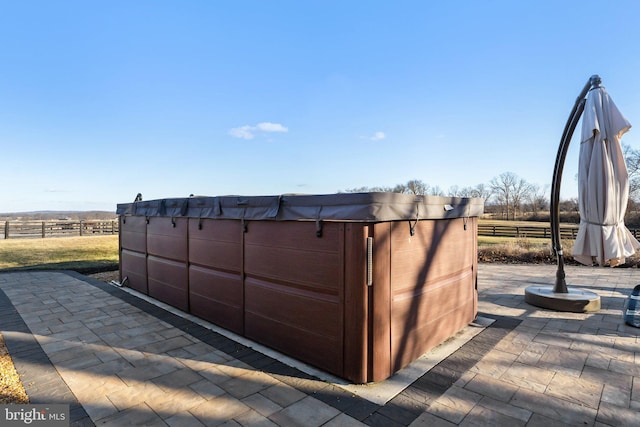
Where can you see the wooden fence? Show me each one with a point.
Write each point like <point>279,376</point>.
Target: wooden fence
<point>59,228</point>
<point>567,231</point>
<point>65,228</point>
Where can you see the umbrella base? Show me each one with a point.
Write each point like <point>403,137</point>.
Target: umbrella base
<point>575,301</point>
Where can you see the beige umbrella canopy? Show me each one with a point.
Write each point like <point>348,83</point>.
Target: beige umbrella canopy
<point>603,185</point>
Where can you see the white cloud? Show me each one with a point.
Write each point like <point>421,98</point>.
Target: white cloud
<point>56,190</point>
<point>249,132</point>
<point>243,132</point>
<point>271,127</point>
<point>378,136</point>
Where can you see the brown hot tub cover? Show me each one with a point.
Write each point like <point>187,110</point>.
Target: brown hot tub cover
<point>360,207</point>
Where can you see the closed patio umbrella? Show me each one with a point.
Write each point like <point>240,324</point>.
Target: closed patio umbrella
<point>603,195</point>
<point>603,185</point>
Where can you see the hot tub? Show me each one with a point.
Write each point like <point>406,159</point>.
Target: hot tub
<point>357,284</point>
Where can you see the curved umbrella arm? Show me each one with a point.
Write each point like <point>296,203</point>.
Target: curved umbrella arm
<point>567,134</point>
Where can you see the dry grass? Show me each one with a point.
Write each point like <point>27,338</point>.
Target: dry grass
<point>531,251</point>
<point>11,389</point>
<point>83,254</point>
<point>509,250</point>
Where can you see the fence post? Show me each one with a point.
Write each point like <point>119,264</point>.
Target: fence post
<point>43,234</point>
<point>6,229</point>
<point>81,227</point>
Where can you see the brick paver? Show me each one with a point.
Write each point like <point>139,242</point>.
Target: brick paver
<point>119,360</point>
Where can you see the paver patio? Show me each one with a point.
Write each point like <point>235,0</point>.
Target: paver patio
<point>120,360</point>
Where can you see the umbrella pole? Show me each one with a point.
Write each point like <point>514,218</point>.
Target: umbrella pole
<point>567,134</point>
<point>559,297</point>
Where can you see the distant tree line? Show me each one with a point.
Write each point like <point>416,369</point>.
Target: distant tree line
<point>418,187</point>
<point>511,197</point>
<point>507,195</point>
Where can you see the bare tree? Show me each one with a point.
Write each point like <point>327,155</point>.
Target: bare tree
<point>521,191</point>
<point>569,205</point>
<point>482,191</point>
<point>454,191</point>
<point>400,188</point>
<point>509,191</point>
<point>415,186</point>
<point>436,191</point>
<point>463,192</point>
<point>632,159</point>
<point>537,198</point>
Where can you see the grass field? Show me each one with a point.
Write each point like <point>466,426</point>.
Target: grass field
<point>94,254</point>
<point>83,254</point>
<point>527,242</point>
<point>495,241</point>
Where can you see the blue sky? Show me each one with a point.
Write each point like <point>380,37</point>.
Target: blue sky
<point>102,100</point>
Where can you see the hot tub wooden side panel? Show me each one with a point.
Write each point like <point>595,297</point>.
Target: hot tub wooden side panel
<point>133,233</point>
<point>217,297</point>
<point>133,252</point>
<point>216,289</point>
<point>433,290</point>
<point>167,248</point>
<point>167,238</point>
<point>356,303</point>
<point>168,281</point>
<point>379,336</point>
<point>133,266</point>
<point>216,244</point>
<point>294,290</point>
<point>290,252</point>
